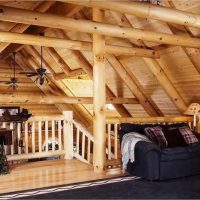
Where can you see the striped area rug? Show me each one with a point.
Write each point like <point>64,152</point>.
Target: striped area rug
<point>40,191</point>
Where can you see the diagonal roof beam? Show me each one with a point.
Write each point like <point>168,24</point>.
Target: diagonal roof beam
<point>145,10</point>
<point>126,77</point>
<point>55,21</point>
<point>164,81</point>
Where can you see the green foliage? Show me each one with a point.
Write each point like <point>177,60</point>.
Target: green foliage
<point>4,169</point>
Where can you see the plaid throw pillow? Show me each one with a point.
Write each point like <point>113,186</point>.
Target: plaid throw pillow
<point>156,135</point>
<point>188,135</point>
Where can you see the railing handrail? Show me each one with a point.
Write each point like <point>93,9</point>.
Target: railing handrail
<point>119,120</point>
<point>84,130</point>
<point>46,117</point>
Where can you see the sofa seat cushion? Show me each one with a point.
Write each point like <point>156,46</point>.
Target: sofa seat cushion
<point>175,153</point>
<point>194,150</point>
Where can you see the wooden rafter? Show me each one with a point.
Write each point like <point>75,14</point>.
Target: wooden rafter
<point>126,77</point>
<point>29,39</point>
<point>56,21</point>
<point>52,99</point>
<point>164,81</point>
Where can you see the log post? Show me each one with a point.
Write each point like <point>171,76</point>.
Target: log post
<point>99,92</point>
<point>68,134</point>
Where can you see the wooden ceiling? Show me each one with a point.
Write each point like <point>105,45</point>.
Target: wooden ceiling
<point>152,61</point>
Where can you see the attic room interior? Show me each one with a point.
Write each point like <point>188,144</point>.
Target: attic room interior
<point>99,95</point>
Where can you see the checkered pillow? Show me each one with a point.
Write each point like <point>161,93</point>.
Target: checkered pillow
<point>188,135</point>
<point>156,135</point>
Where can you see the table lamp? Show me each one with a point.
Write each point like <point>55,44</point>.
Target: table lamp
<point>193,109</point>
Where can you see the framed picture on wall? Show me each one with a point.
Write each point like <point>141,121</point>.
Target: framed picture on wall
<point>12,110</point>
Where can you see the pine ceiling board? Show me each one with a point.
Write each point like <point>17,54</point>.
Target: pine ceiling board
<point>178,69</point>
<point>148,83</point>
<point>116,84</point>
<point>66,54</point>
<point>22,4</point>
<point>81,88</point>
<point>136,110</point>
<point>139,69</point>
<point>186,5</point>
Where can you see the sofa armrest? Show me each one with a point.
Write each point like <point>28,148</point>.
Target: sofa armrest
<point>145,147</point>
<point>147,161</point>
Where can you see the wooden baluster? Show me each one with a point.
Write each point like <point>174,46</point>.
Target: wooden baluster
<point>109,142</point>
<point>40,135</point>
<point>83,145</point>
<point>12,146</point>
<point>4,125</point>
<point>59,135</point>
<point>26,137</point>
<point>46,135</point>
<point>33,137</point>
<point>5,146</point>
<point>77,140</point>
<point>115,140</point>
<point>18,137</point>
<point>88,150</point>
<point>53,134</point>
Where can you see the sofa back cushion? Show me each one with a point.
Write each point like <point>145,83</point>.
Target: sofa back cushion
<point>157,136</point>
<point>174,137</point>
<point>188,135</point>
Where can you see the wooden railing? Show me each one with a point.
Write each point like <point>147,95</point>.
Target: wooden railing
<point>50,136</point>
<point>41,136</point>
<point>83,141</point>
<point>112,124</point>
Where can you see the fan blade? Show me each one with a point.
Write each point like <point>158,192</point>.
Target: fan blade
<point>9,82</point>
<point>29,74</point>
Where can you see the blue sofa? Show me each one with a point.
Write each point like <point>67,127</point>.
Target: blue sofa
<point>154,163</point>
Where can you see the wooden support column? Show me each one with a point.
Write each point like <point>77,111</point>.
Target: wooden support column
<point>99,92</point>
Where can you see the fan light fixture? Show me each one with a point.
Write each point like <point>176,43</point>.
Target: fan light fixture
<point>40,72</point>
<point>13,80</point>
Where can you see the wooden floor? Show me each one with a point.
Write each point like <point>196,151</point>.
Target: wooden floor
<point>47,173</point>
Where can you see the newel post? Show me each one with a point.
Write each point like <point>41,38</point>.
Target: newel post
<point>68,134</point>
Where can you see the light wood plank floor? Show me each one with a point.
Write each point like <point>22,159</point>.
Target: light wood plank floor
<point>47,173</point>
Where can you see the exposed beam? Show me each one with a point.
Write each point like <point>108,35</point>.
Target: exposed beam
<point>20,28</point>
<point>55,21</point>
<point>52,99</point>
<point>88,68</point>
<point>21,38</point>
<point>164,81</point>
<point>145,10</point>
<point>126,77</point>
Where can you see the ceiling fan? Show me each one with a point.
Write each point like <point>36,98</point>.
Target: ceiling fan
<point>40,73</point>
<point>13,80</point>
